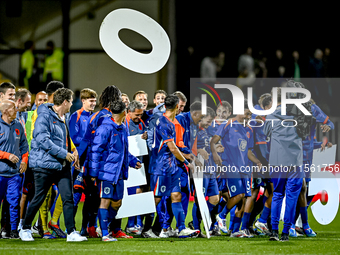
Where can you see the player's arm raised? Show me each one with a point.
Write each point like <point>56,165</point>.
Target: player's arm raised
<point>216,157</point>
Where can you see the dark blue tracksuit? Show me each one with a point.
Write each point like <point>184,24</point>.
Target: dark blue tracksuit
<point>12,141</point>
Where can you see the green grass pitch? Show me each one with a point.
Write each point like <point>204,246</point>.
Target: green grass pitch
<point>327,241</point>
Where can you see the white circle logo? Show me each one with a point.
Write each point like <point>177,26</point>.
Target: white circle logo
<point>242,144</point>
<point>106,190</point>
<point>233,188</point>
<point>163,188</point>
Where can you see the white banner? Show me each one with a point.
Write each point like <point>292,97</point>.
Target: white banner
<point>198,180</point>
<point>142,203</point>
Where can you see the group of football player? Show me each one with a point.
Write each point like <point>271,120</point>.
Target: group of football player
<point>51,159</point>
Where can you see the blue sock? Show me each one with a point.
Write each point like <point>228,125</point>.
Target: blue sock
<point>224,212</point>
<point>103,220</point>
<point>195,220</point>
<point>232,216</point>
<point>210,206</point>
<point>285,229</point>
<point>160,211</point>
<point>304,217</point>
<point>139,221</point>
<point>293,226</point>
<point>237,224</point>
<point>131,222</point>
<point>185,202</point>
<point>245,221</point>
<point>231,225</point>
<point>167,215</point>
<point>221,205</point>
<point>178,212</point>
<point>265,214</point>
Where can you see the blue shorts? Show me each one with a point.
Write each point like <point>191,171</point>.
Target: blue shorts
<point>164,185</point>
<point>210,186</point>
<point>238,186</point>
<point>256,183</point>
<point>109,191</point>
<point>132,190</point>
<point>184,179</point>
<point>222,185</point>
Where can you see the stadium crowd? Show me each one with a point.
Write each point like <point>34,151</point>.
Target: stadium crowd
<point>50,158</point>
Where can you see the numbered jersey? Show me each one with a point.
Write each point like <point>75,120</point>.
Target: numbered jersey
<point>203,140</point>
<point>165,161</point>
<point>236,140</point>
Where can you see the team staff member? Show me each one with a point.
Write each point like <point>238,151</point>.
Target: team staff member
<point>142,97</point>
<point>27,192</point>
<point>7,91</point>
<point>50,159</point>
<point>182,101</point>
<point>14,157</point>
<point>40,98</point>
<point>136,126</point>
<point>53,194</point>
